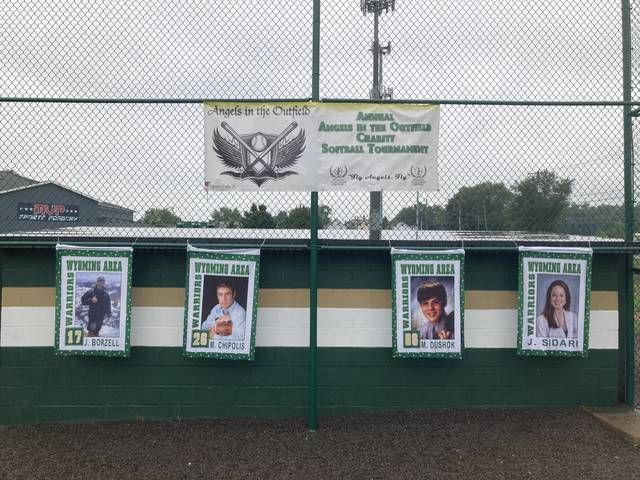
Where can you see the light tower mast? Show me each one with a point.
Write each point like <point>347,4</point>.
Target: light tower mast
<point>378,92</point>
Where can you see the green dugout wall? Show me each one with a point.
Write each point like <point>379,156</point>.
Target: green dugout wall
<point>355,368</point>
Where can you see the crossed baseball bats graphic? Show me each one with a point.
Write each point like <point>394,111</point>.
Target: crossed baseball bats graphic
<point>258,156</point>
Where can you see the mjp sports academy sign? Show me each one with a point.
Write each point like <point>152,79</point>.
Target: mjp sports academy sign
<point>321,146</point>
<point>48,212</point>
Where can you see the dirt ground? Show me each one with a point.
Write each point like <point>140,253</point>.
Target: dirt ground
<point>447,444</point>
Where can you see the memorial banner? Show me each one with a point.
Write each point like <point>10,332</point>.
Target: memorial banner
<point>221,303</point>
<point>93,300</point>
<point>311,146</point>
<point>554,301</point>
<point>427,303</point>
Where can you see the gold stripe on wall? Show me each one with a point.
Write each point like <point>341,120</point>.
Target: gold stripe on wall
<point>353,298</point>
<point>490,300</point>
<point>28,296</point>
<point>604,300</point>
<point>283,298</point>
<point>157,297</point>
<point>296,298</point>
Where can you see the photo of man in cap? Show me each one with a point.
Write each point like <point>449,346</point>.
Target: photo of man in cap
<point>99,303</point>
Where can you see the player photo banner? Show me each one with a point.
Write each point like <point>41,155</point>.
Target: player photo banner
<point>554,301</point>
<point>93,300</point>
<point>312,146</point>
<point>221,303</point>
<point>427,303</point>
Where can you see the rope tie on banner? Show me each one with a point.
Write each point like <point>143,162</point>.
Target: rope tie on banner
<point>264,240</point>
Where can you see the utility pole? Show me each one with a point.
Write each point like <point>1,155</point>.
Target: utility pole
<point>378,92</point>
<point>484,209</point>
<point>417,210</point>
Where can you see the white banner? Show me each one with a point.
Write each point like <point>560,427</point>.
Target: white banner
<point>93,300</point>
<point>427,307</point>
<point>554,298</point>
<point>321,146</point>
<point>221,303</point>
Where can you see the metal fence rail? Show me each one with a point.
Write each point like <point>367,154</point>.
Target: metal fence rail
<point>636,319</point>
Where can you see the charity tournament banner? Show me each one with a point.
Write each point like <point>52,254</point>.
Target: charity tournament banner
<point>221,303</point>
<point>313,146</point>
<point>554,301</point>
<point>93,300</point>
<point>427,303</point>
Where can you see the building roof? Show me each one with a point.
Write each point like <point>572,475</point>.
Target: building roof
<point>11,182</point>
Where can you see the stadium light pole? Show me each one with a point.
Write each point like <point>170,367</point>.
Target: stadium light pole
<point>378,92</point>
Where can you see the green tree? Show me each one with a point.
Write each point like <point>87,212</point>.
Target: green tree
<point>480,207</point>
<point>601,220</point>
<point>160,217</point>
<point>257,217</point>
<point>429,218</point>
<point>226,217</point>
<point>281,219</point>
<point>300,217</point>
<point>540,202</point>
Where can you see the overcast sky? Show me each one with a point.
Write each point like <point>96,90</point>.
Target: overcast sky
<point>143,156</point>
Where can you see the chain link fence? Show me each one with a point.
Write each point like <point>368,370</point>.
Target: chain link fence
<point>512,157</point>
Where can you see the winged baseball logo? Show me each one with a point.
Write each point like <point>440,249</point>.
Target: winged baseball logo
<point>258,156</point>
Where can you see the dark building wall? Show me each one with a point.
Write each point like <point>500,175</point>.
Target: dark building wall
<point>108,215</point>
<point>89,211</point>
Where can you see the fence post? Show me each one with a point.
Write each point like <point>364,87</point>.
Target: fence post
<point>312,420</point>
<point>628,200</point>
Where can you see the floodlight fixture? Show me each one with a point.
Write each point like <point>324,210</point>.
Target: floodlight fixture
<point>377,6</point>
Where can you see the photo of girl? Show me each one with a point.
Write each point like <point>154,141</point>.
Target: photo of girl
<point>557,320</point>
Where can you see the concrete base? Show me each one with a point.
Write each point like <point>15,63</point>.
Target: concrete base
<point>622,419</point>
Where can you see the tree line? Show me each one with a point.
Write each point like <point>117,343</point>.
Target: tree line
<point>256,217</point>
<point>539,203</point>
